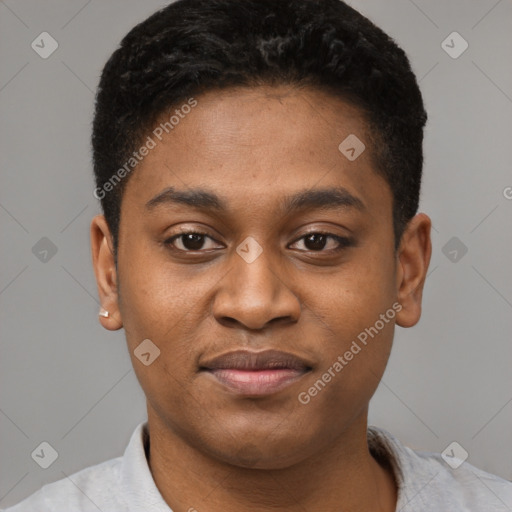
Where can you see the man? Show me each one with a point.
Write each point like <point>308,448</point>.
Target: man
<point>259,167</point>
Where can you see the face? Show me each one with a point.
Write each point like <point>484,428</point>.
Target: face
<point>247,229</point>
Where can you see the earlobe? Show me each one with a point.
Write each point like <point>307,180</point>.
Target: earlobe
<point>413,258</point>
<point>106,273</point>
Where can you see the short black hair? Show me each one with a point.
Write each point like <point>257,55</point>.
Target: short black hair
<point>194,46</point>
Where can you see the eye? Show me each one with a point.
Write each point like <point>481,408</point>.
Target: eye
<point>189,241</point>
<point>317,241</point>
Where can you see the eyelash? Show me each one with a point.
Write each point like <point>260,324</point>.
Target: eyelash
<point>342,241</point>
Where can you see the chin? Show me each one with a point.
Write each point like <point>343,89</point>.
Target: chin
<point>262,456</point>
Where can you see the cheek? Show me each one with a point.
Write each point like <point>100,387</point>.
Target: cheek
<point>357,295</point>
<point>351,369</point>
<point>358,317</point>
<point>162,303</point>
<point>154,313</point>
<point>373,283</point>
<point>150,300</point>
<point>152,310</point>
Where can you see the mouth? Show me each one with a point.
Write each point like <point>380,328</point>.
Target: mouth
<point>255,374</point>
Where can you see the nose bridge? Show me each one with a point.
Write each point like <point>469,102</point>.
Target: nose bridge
<point>254,274</point>
<point>253,292</point>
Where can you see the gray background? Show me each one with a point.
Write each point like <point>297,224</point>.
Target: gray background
<point>67,381</point>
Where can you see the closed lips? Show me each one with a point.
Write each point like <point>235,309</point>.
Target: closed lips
<point>256,361</point>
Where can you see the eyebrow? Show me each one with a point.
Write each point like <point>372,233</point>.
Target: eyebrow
<point>324,199</point>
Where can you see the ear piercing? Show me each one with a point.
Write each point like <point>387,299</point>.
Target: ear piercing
<point>104,313</point>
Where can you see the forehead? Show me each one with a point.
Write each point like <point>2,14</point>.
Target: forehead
<point>249,141</point>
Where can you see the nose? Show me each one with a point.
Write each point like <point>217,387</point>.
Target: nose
<point>255,294</point>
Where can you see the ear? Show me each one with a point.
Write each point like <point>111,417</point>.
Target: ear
<point>105,272</point>
<point>413,258</point>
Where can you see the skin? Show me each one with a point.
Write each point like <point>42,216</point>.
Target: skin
<point>210,448</point>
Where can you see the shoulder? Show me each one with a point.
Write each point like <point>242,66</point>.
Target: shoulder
<point>81,492</point>
<point>472,487</point>
<point>117,485</point>
<point>426,481</point>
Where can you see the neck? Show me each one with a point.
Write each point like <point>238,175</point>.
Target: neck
<point>344,478</point>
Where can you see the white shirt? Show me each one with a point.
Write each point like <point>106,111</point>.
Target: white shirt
<point>426,483</point>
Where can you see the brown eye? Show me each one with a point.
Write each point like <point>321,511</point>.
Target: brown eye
<point>315,241</point>
<point>189,241</point>
<point>318,241</point>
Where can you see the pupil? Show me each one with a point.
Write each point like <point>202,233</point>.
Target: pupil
<point>318,241</point>
<point>193,241</point>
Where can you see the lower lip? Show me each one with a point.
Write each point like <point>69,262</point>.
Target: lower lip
<point>257,382</point>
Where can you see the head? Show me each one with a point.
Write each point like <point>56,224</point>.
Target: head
<point>290,131</point>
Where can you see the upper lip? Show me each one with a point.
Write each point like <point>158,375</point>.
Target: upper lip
<point>249,360</point>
